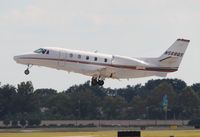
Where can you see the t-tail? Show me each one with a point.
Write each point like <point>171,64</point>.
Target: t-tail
<point>173,56</point>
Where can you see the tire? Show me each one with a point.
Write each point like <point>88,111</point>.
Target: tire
<point>100,82</point>
<point>26,72</point>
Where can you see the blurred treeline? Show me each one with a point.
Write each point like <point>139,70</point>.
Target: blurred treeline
<point>88,103</point>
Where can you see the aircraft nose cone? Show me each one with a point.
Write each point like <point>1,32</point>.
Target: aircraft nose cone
<point>16,58</point>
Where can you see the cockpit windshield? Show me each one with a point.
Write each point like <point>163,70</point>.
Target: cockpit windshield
<point>42,51</point>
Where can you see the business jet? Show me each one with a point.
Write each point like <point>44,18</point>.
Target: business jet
<point>101,66</point>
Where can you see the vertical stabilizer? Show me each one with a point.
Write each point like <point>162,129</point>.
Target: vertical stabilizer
<point>172,57</point>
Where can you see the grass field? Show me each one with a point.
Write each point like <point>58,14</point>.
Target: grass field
<point>159,133</point>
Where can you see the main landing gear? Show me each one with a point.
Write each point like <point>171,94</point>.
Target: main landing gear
<point>96,81</point>
<point>27,72</point>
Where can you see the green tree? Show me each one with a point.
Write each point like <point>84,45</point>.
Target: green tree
<point>154,101</point>
<point>59,107</point>
<point>23,122</point>
<point>7,95</point>
<point>113,107</point>
<point>196,88</point>
<point>14,123</point>
<point>25,101</point>
<point>34,121</point>
<point>85,104</point>
<point>127,93</point>
<point>43,95</point>
<point>190,102</point>
<point>136,109</point>
<point>6,122</point>
<point>25,88</point>
<point>163,89</point>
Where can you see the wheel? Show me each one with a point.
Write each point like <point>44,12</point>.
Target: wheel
<point>100,82</point>
<point>94,82</point>
<point>26,71</point>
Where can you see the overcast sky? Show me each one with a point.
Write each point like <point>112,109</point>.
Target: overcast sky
<point>136,28</point>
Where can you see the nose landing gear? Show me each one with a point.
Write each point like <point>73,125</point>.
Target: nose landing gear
<point>96,81</point>
<point>27,72</point>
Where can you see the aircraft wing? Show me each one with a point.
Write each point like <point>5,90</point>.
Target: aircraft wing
<point>103,73</point>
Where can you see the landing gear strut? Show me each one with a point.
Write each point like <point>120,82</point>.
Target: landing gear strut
<point>96,81</point>
<point>27,70</point>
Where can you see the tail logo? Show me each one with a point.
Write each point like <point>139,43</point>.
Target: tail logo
<point>178,54</point>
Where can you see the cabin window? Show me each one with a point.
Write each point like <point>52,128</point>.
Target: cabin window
<point>105,60</point>
<point>70,55</point>
<point>79,56</point>
<point>87,57</point>
<point>181,55</point>
<point>95,58</point>
<point>47,51</point>
<point>42,51</point>
<point>38,51</point>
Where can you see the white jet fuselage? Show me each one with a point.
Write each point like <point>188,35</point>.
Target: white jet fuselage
<point>103,66</point>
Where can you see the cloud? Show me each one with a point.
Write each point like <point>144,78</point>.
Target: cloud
<point>96,15</point>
